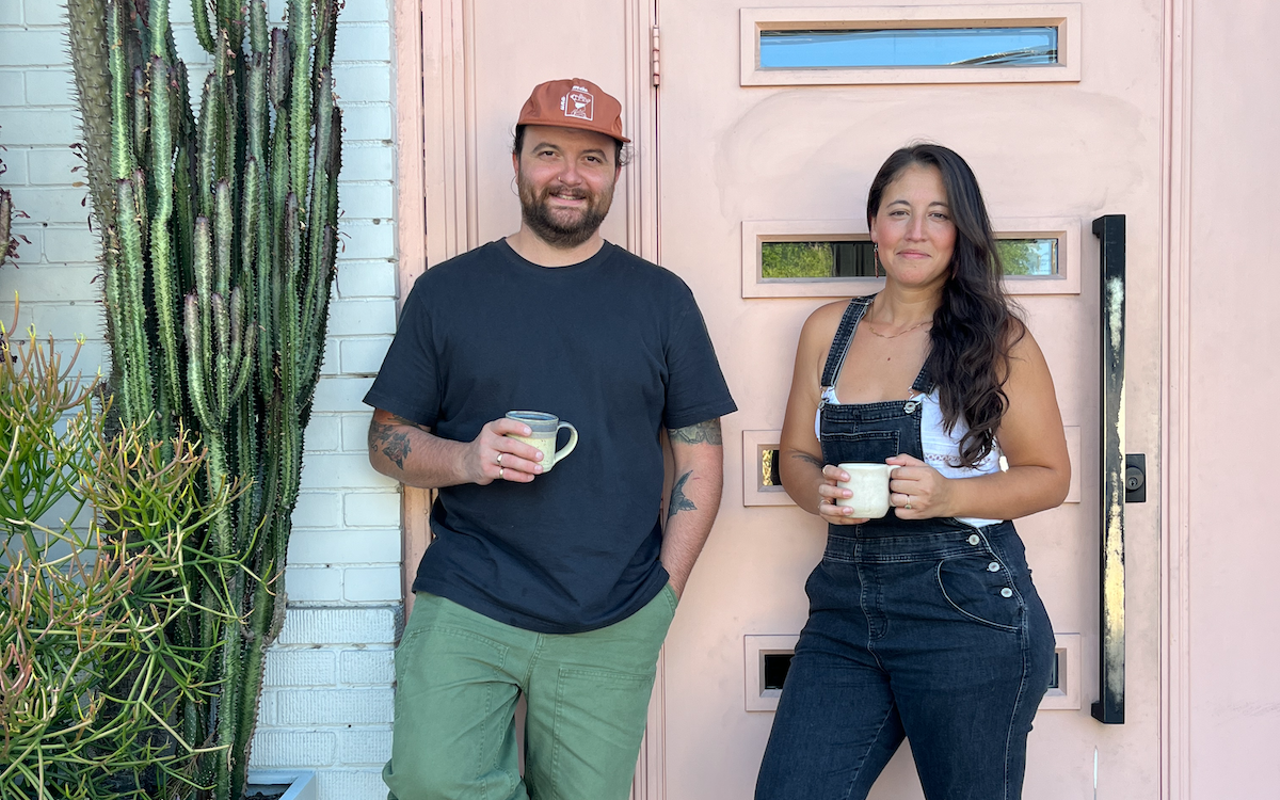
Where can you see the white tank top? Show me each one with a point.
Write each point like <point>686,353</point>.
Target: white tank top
<point>941,451</point>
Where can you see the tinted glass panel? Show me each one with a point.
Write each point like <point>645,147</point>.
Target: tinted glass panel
<point>790,260</point>
<point>818,259</point>
<point>935,47</point>
<point>776,667</point>
<point>1032,257</point>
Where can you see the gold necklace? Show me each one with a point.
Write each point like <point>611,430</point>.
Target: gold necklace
<point>874,332</point>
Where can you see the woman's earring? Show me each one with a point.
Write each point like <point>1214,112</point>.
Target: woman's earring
<point>875,256</point>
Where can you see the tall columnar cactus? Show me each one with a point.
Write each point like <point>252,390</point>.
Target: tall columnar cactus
<point>87,34</point>
<point>219,243</point>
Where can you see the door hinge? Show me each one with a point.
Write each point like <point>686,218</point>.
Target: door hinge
<point>655,53</point>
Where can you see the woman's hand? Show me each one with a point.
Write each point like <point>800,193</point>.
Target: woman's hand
<point>917,490</point>
<point>827,494</point>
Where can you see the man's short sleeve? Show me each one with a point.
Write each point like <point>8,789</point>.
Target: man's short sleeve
<point>407,383</point>
<point>696,389</point>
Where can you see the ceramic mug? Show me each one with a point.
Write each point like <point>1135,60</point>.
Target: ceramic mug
<point>870,486</point>
<point>545,428</point>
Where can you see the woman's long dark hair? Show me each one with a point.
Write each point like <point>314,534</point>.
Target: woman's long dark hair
<point>976,324</point>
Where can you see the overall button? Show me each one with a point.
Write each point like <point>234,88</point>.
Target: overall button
<point>973,539</point>
<point>994,566</point>
<point>1006,592</point>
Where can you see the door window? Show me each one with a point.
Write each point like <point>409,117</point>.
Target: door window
<point>924,47</point>
<point>798,260</point>
<point>1037,42</point>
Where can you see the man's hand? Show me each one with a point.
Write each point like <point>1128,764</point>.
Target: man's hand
<point>412,454</point>
<point>494,456</point>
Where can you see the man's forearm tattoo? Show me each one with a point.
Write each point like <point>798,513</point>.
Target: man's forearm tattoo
<point>704,432</point>
<point>807,459</point>
<point>392,440</point>
<point>680,501</point>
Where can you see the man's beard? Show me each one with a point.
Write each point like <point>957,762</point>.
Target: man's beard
<point>556,227</point>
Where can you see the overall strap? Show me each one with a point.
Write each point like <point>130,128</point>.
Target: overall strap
<point>924,383</point>
<point>844,335</point>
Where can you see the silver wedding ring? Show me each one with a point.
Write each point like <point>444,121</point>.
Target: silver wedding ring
<point>499,459</point>
<point>908,505</point>
<point>500,471</point>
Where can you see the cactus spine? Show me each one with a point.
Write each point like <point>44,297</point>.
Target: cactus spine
<point>6,221</point>
<point>219,245</point>
<point>87,33</point>
<point>8,244</point>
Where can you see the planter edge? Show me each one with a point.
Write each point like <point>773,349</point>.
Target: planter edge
<point>301,782</point>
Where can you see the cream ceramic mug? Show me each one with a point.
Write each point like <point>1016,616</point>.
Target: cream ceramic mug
<point>870,486</point>
<point>544,429</point>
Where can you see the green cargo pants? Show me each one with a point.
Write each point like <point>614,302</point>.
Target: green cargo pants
<point>459,675</point>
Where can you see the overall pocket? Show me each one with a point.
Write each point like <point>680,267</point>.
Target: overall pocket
<point>871,447</point>
<point>979,588</point>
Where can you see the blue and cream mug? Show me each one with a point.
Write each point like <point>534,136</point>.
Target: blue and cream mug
<point>545,428</point>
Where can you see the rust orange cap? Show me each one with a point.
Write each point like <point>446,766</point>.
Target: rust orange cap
<point>573,103</point>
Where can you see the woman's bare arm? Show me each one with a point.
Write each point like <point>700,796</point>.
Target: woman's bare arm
<point>809,482</point>
<point>1032,440</point>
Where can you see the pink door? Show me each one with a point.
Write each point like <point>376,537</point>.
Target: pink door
<point>757,154</point>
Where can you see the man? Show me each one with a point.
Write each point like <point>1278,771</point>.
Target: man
<point>558,585</point>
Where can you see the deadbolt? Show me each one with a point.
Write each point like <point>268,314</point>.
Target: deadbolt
<point>1135,478</point>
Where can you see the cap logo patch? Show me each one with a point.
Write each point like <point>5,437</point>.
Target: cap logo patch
<point>578,103</point>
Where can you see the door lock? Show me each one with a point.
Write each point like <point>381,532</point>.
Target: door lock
<point>1135,478</point>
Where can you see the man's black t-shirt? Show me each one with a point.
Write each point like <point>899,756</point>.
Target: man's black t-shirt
<point>616,346</point>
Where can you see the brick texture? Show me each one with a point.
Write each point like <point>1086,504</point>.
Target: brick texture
<point>368,509</point>
<point>367,279</point>
<point>342,626</point>
<point>364,356</point>
<point>374,666</point>
<point>343,784</point>
<point>310,667</point>
<point>366,746</point>
<point>343,707</point>
<point>296,748</point>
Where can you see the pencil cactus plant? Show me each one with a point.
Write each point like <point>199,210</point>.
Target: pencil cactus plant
<point>219,244</point>
<point>90,681</point>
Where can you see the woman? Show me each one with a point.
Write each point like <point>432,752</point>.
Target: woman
<point>923,624</point>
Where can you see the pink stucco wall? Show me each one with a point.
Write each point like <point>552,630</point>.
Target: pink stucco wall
<point>1233,380</point>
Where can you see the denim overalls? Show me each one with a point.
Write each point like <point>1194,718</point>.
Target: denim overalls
<point>928,629</point>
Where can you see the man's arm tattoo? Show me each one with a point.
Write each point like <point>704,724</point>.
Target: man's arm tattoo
<point>679,501</point>
<point>704,432</point>
<point>807,458</point>
<point>391,440</point>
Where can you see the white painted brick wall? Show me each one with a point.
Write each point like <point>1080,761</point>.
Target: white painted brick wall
<point>327,703</point>
<point>358,667</point>
<point>367,279</point>
<point>327,699</point>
